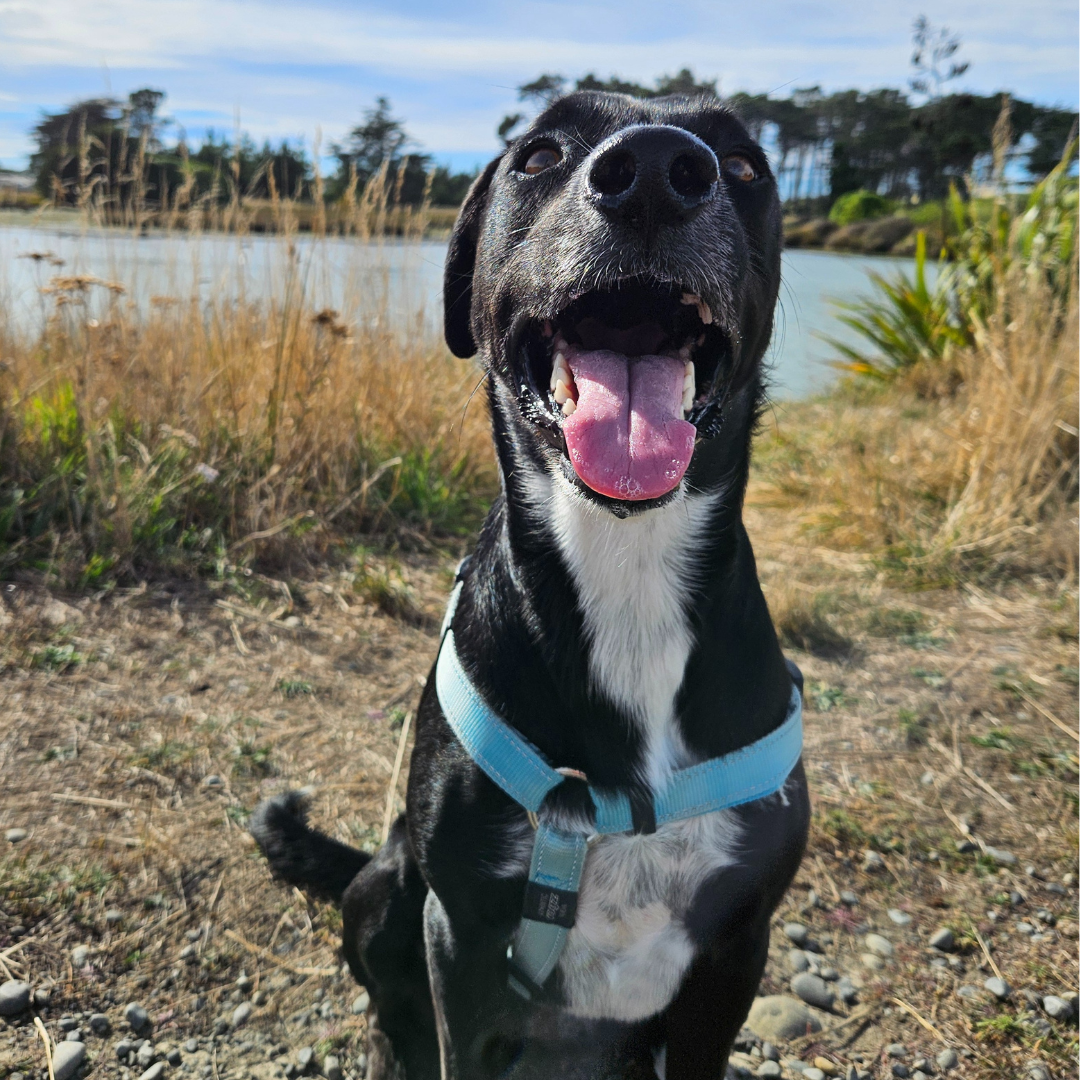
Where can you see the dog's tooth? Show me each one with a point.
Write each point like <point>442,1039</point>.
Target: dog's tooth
<point>688,373</point>
<point>568,407</point>
<point>689,298</point>
<point>562,393</point>
<point>704,312</point>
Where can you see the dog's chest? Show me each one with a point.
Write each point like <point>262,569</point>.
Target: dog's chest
<point>629,949</point>
<point>633,579</point>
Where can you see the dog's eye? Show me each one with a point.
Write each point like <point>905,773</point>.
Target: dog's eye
<point>543,157</point>
<point>739,168</point>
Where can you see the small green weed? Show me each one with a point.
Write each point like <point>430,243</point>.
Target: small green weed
<point>253,760</point>
<point>998,739</point>
<point>933,679</point>
<point>1002,1028</point>
<point>825,697</point>
<point>292,688</point>
<point>57,658</point>
<point>843,828</point>
<point>912,726</point>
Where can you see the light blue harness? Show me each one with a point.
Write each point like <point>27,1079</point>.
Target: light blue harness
<point>558,856</point>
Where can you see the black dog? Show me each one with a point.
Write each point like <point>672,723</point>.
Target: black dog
<point>617,270</point>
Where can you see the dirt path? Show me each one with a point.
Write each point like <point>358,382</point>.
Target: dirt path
<point>137,730</point>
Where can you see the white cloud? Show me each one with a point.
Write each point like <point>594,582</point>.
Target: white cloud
<point>291,66</point>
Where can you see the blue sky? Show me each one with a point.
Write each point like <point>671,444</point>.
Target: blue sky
<point>288,69</point>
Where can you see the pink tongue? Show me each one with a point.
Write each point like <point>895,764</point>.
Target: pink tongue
<point>627,438</point>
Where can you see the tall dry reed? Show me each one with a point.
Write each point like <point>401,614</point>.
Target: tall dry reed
<point>199,431</point>
<point>980,479</point>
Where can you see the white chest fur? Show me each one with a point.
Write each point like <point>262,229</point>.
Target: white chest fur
<point>629,949</point>
<point>633,578</point>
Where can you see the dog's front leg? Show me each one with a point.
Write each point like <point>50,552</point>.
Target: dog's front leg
<point>478,1017</point>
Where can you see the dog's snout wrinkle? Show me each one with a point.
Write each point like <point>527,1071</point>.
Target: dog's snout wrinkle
<point>652,172</point>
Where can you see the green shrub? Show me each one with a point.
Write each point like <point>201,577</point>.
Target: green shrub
<point>861,205</point>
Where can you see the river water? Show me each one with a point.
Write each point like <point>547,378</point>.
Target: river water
<point>366,282</point>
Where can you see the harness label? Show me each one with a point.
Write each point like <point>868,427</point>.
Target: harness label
<point>547,905</point>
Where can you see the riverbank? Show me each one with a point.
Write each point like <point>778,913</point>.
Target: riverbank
<point>891,235</point>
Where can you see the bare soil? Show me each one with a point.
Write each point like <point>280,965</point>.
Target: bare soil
<point>139,728</point>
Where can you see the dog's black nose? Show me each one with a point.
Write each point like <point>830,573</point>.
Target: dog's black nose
<point>652,173</point>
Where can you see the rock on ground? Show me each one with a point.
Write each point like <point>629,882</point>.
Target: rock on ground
<point>67,1057</point>
<point>813,990</point>
<point>14,997</point>
<point>780,1017</point>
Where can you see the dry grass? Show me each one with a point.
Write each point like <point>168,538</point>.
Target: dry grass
<point>942,482</point>
<point>221,429</point>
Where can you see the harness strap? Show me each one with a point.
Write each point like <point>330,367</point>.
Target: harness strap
<point>558,856</point>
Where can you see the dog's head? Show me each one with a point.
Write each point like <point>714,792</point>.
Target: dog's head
<point>617,269</point>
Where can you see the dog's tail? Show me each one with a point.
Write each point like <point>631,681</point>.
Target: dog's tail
<point>300,855</point>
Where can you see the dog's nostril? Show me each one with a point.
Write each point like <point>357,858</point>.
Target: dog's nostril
<point>614,173</point>
<point>692,175</point>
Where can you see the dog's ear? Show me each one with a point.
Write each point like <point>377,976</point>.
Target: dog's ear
<point>460,263</point>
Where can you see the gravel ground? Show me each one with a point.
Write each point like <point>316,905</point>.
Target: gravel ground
<point>932,928</point>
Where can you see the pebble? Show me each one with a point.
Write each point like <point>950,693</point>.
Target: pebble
<point>305,1056</point>
<point>114,916</point>
<point>901,918</point>
<point>769,1069</point>
<point>846,991</point>
<point>100,1024</point>
<point>872,962</point>
<point>880,946</point>
<point>872,862</point>
<point>145,1054</point>
<point>331,1068</point>
<point>137,1017</point>
<point>998,987</point>
<point>813,1073</point>
<point>813,990</point>
<point>899,1069</point>
<point>155,1072</point>
<point>74,1035</point>
<point>780,1017</point>
<point>174,1057</point>
<point>797,933</point>
<point>769,1052</point>
<point>829,974</point>
<point>798,960</point>
<point>67,1023</point>
<point>966,847</point>
<point>826,1066</point>
<point>947,1059</point>
<point>213,781</point>
<point>67,1057</point>
<point>927,777</point>
<point>123,1048</point>
<point>1057,1008</point>
<point>848,898</point>
<point>1036,1070</point>
<point>968,992</point>
<point>80,957</point>
<point>361,1003</point>
<point>923,1065</point>
<point>896,1050</point>
<point>56,613</point>
<point>999,855</point>
<point>943,939</point>
<point>191,1046</point>
<point>14,836</point>
<point>14,997</point>
<point>242,1013</point>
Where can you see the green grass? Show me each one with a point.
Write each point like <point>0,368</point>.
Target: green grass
<point>293,688</point>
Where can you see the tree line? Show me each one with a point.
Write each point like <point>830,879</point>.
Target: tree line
<point>825,145</point>
<point>906,145</point>
<point>115,154</point>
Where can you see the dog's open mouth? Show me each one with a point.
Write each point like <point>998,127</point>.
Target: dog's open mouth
<point>625,372</point>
